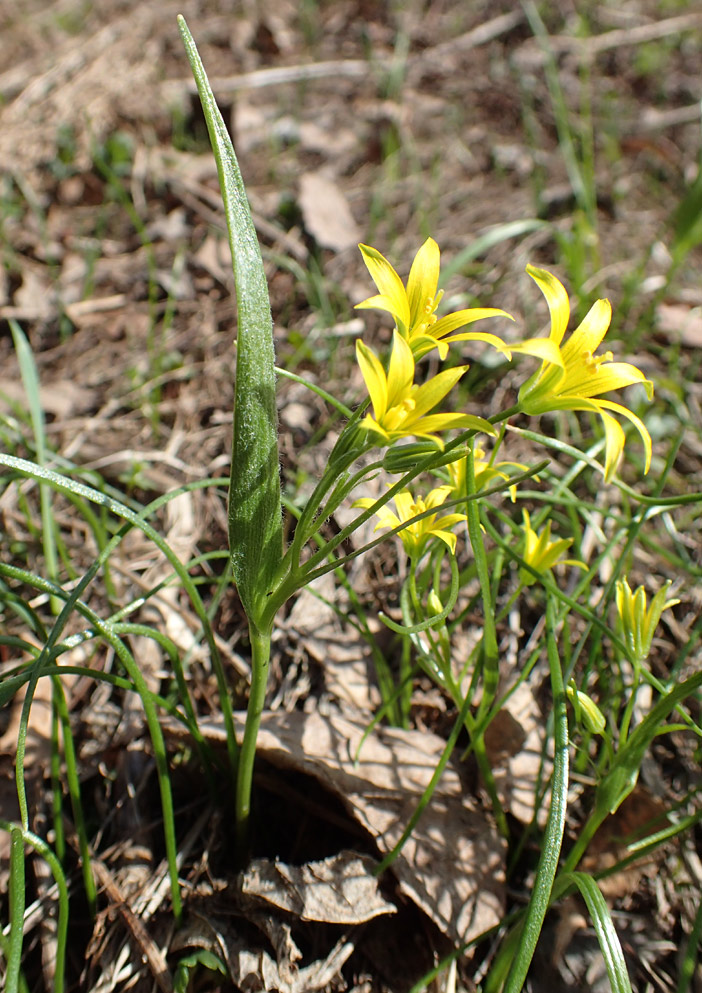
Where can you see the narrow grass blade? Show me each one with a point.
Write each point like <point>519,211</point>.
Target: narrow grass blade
<point>555,827</point>
<point>73,780</point>
<point>20,838</point>
<point>691,955</point>
<point>30,381</point>
<point>494,236</point>
<point>604,929</point>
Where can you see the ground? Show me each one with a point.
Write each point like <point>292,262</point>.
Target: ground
<point>571,143</point>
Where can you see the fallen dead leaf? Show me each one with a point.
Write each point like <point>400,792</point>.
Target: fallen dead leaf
<point>326,212</point>
<point>452,866</point>
<point>681,322</point>
<point>339,890</point>
<point>514,742</point>
<point>257,969</point>
<point>61,398</point>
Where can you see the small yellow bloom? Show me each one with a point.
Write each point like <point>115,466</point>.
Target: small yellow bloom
<point>415,536</point>
<point>541,553</point>
<point>414,307</point>
<point>586,710</point>
<point>401,407</point>
<point>638,623</point>
<point>485,473</point>
<point>583,375</point>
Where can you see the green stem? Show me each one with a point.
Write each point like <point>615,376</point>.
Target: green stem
<point>260,658</point>
<point>18,839</point>
<point>56,799</point>
<point>555,827</point>
<point>491,672</point>
<point>17,900</point>
<point>491,664</point>
<point>69,754</point>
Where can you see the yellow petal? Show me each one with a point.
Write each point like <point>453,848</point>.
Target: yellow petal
<point>554,401</point>
<point>370,425</point>
<point>429,394</point>
<point>556,298</point>
<point>423,280</point>
<point>404,503</point>
<point>448,537</point>
<point>490,339</point>
<point>379,302</point>
<point>587,337</point>
<point>386,519</point>
<point>445,422</point>
<point>614,444</point>
<point>609,376</point>
<point>363,502</point>
<point>390,286</point>
<point>638,424</point>
<point>374,377</point>
<point>437,496</point>
<point>448,520</point>
<point>459,318</point>
<point>400,371</point>
<point>540,348</point>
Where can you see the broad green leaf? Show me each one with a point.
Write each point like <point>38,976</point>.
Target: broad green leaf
<point>255,523</point>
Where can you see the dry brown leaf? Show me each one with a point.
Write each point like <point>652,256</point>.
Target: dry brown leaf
<point>452,864</point>
<point>514,742</point>
<point>35,295</point>
<point>61,398</point>
<point>680,322</point>
<point>37,754</point>
<point>341,652</point>
<point>339,890</point>
<point>257,969</point>
<point>326,212</point>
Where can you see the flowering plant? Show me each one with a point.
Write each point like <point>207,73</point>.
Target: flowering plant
<point>467,559</point>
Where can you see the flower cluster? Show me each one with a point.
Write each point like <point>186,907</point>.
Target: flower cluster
<point>571,376</point>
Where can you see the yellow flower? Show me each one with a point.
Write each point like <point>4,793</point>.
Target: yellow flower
<point>400,406</point>
<point>586,710</point>
<point>415,536</point>
<point>414,308</point>
<point>583,375</point>
<point>485,472</point>
<point>638,623</point>
<point>541,553</point>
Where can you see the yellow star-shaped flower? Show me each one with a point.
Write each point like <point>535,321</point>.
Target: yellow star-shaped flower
<point>414,308</point>
<point>415,536</point>
<point>402,408</point>
<point>541,553</point>
<point>582,375</point>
